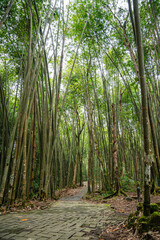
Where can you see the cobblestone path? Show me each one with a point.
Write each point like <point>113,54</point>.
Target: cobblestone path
<point>69,218</point>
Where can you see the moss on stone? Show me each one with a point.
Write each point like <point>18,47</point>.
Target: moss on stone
<point>154,207</point>
<point>143,219</point>
<point>143,227</point>
<point>130,215</point>
<point>158,203</point>
<point>131,220</point>
<point>143,223</point>
<point>155,219</point>
<point>147,223</point>
<point>140,207</point>
<point>136,213</point>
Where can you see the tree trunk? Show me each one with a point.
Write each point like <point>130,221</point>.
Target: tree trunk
<point>89,161</point>
<point>116,174</point>
<point>33,148</point>
<point>147,166</point>
<point>24,162</point>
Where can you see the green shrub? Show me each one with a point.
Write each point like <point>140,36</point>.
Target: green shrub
<point>128,184</point>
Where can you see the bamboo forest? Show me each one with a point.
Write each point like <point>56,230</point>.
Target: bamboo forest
<point>80,119</point>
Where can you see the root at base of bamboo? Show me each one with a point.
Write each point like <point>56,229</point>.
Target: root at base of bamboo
<point>116,193</point>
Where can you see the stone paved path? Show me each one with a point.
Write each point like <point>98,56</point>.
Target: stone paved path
<point>69,218</point>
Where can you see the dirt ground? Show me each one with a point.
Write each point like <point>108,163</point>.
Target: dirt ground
<point>123,206</point>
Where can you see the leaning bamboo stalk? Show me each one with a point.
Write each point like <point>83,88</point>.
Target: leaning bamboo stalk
<point>6,12</point>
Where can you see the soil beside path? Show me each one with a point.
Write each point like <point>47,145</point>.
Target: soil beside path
<point>69,218</point>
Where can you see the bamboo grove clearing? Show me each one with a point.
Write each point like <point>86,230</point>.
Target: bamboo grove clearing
<point>80,97</point>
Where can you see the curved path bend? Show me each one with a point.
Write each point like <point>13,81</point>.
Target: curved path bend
<point>70,218</point>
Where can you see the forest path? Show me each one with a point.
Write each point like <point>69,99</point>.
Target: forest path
<point>69,218</point>
<point>78,196</point>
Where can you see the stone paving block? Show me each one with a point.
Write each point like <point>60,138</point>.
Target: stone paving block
<point>80,238</point>
<point>31,238</point>
<point>45,235</point>
<point>2,234</point>
<point>31,235</point>
<point>57,237</point>
<point>35,231</point>
<point>43,238</point>
<point>21,238</point>
<point>57,229</point>
<point>22,234</point>
<point>9,236</point>
<point>87,230</point>
<point>67,236</point>
<point>79,234</point>
<point>48,229</point>
<point>67,232</point>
